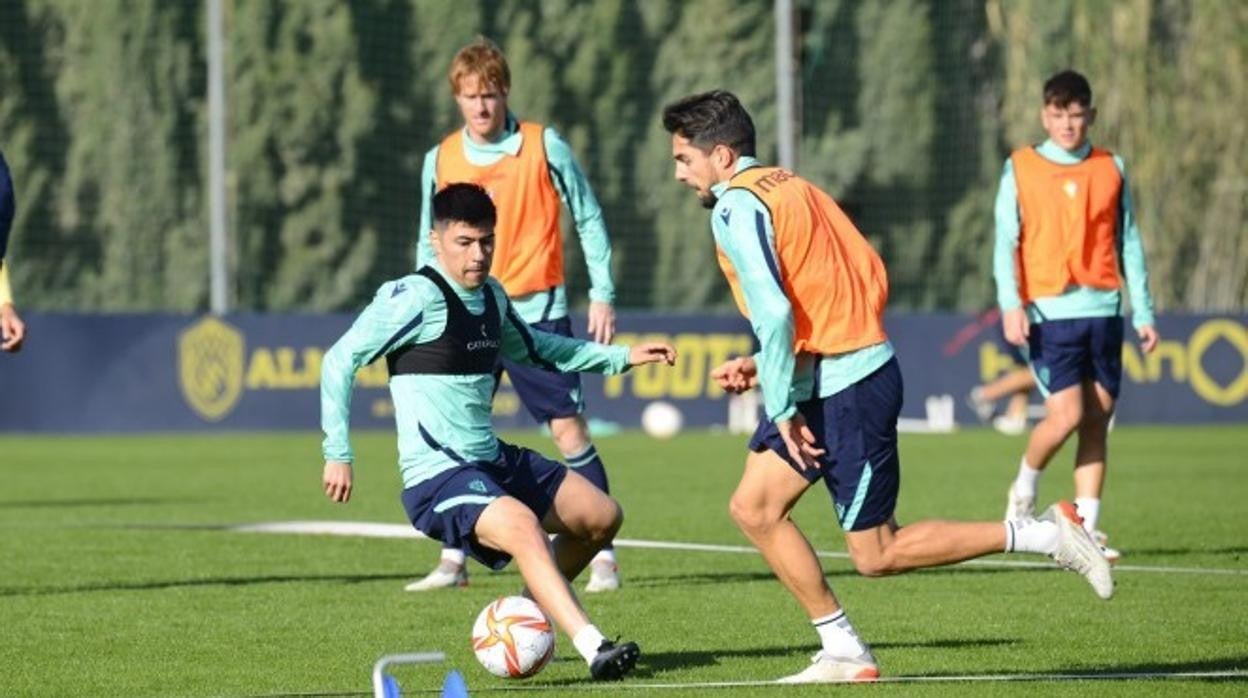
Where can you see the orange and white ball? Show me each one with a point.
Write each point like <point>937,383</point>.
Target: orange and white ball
<point>512,638</point>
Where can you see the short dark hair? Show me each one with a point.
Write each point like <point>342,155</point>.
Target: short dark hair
<point>465,203</point>
<point>710,119</point>
<point>1067,87</point>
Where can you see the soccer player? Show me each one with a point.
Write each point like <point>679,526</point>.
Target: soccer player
<point>814,291</point>
<point>528,169</point>
<point>12,329</point>
<point>1066,242</point>
<point>440,331</point>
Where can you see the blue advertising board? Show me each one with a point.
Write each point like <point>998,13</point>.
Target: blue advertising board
<point>143,373</point>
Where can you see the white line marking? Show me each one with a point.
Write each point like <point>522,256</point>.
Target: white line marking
<point>381,530</point>
<point>1233,674</point>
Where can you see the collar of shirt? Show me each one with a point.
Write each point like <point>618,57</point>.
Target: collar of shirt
<point>1056,153</point>
<point>743,163</point>
<point>508,142</point>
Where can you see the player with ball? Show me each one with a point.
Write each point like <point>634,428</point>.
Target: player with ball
<point>441,332</point>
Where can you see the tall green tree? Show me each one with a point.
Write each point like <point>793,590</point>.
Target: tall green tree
<point>34,141</point>
<point>702,45</point>
<point>128,192</point>
<point>299,113</point>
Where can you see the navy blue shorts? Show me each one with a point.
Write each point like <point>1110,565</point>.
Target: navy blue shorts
<point>1065,352</point>
<point>547,394</point>
<point>858,429</point>
<point>446,507</point>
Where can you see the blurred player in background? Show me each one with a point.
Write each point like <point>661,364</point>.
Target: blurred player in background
<point>12,329</point>
<point>814,291</point>
<point>1015,385</point>
<point>528,169</point>
<point>1066,242</point>
<point>441,331</point>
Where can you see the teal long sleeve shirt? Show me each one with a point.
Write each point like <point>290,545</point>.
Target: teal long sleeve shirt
<point>743,229</point>
<point>1077,301</point>
<point>574,191</point>
<point>442,420</point>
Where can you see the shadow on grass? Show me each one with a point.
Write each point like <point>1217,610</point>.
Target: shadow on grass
<point>156,585</point>
<point>95,502</point>
<point>653,663</point>
<point>1127,671</point>
<point>1230,550</point>
<point>762,575</point>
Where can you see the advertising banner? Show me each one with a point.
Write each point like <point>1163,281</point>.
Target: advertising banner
<point>145,373</point>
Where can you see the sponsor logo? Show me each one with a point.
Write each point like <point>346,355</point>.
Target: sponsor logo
<point>210,367</point>
<point>216,368</point>
<point>487,343</point>
<point>477,486</point>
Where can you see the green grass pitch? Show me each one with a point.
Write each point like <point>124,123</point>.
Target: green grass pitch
<point>117,579</point>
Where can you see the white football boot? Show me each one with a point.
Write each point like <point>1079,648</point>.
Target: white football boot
<point>1077,551</point>
<point>446,574</point>
<point>982,408</point>
<point>1010,426</point>
<point>604,575</point>
<point>824,668</point>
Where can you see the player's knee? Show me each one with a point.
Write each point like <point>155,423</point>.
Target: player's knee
<point>750,517</point>
<point>522,538</point>
<point>607,523</point>
<point>1096,419</point>
<point>873,565</point>
<point>872,569</point>
<point>569,434</point>
<point>1066,421</point>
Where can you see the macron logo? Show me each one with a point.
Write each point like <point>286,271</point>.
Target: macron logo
<point>725,216</point>
<point>398,288</point>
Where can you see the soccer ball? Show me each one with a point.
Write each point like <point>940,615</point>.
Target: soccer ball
<point>661,420</point>
<point>512,638</point>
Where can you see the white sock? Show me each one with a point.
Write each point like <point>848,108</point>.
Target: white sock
<point>604,556</point>
<point>587,640</point>
<point>1030,536</point>
<point>453,555</point>
<point>1025,482</point>
<point>1090,509</point>
<point>838,636</point>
